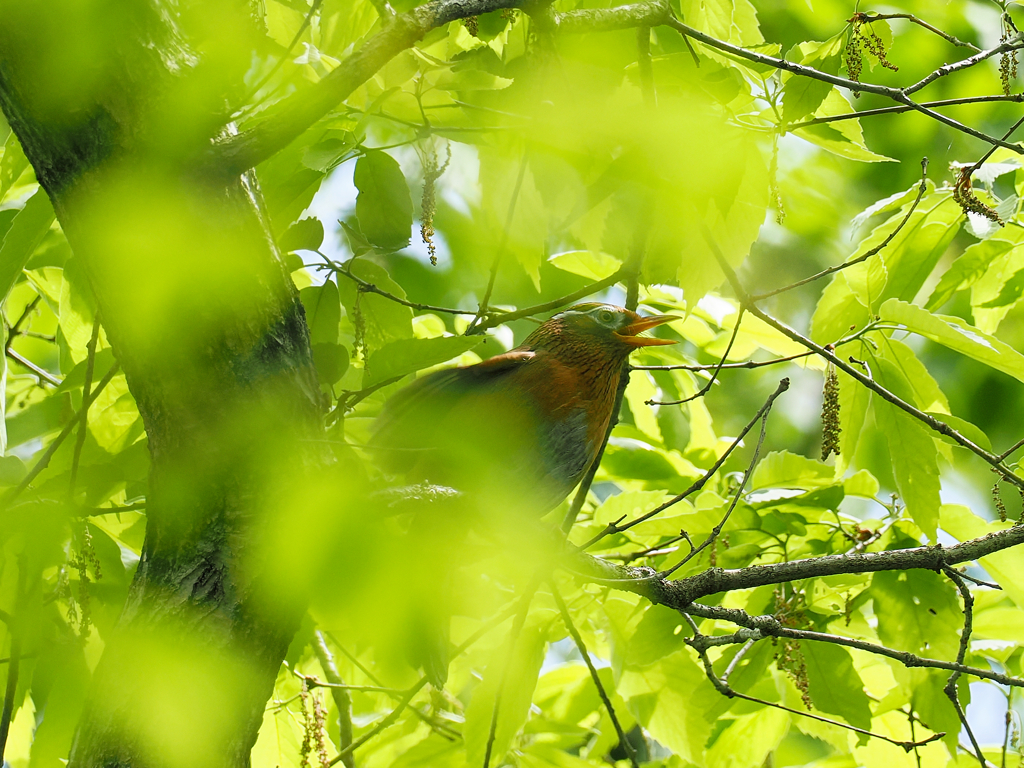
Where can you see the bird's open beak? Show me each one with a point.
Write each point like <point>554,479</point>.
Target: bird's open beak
<point>631,333</point>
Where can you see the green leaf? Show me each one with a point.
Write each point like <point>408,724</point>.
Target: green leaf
<point>331,361</point>
<point>26,232</point>
<point>967,268</point>
<point>803,95</point>
<point>854,398</point>
<point>383,319</point>
<point>659,633</point>
<point>964,427</point>
<point>749,740</point>
<point>383,205</point>
<point>834,685</point>
<point>323,312</point>
<point>406,356</point>
<point>329,153</point>
<point>12,164</point>
<point>782,469</point>
<point>914,458</point>
<point>1010,293</point>
<point>303,235</point>
<point>471,80</point>
<point>956,334</point>
<point>918,611</point>
<point>669,699</point>
<point>593,265</point>
<point>518,682</point>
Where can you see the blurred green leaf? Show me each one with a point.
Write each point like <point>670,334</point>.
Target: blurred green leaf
<point>305,234</point>
<point>516,673</point>
<point>406,356</point>
<point>834,685</point>
<point>323,312</point>
<point>26,232</point>
<point>383,206</point>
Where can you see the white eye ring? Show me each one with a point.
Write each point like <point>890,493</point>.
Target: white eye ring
<point>605,316</point>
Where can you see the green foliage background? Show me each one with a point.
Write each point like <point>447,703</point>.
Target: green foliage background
<point>563,161</point>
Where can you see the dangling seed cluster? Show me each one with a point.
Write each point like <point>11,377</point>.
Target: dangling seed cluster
<point>864,39</point>
<point>314,727</point>
<point>472,25</point>
<point>773,177</point>
<point>359,325</point>
<point>963,195</point>
<point>790,658</point>
<point>79,608</point>
<point>997,499</point>
<point>431,173</point>
<point>830,428</point>
<point>1008,59</point>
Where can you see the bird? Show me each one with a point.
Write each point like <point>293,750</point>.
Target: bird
<point>510,436</point>
<point>529,421</point>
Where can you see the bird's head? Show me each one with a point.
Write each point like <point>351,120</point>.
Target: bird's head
<point>604,326</point>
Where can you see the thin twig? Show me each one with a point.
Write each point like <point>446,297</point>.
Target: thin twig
<point>40,373</point>
<point>965,640</point>
<point>497,317</point>
<point>513,637</point>
<point>714,375</point>
<point>286,55</point>
<point>749,364</point>
<point>582,648</point>
<point>643,63</point>
<point>369,287</point>
<point>900,96</point>
<point>868,254</point>
<point>439,728</point>
<point>1013,44</point>
<point>770,626</point>
<point>991,150</point>
<point>1011,449</point>
<point>735,500</point>
<point>938,426</point>
<point>16,327</point>
<point>700,482</point>
<point>1013,97</point>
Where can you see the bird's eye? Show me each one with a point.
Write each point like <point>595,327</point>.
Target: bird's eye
<point>605,317</point>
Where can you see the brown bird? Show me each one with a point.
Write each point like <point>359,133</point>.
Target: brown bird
<point>525,424</point>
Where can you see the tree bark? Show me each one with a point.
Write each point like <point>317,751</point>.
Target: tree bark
<point>111,103</point>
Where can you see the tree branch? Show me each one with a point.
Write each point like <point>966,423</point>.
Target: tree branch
<point>681,593</point>
<point>896,94</point>
<point>1013,97</point>
<point>701,643</point>
<point>235,154</point>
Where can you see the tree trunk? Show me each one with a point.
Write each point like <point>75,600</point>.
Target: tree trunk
<point>111,106</point>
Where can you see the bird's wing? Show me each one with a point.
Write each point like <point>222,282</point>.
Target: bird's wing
<point>411,417</point>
